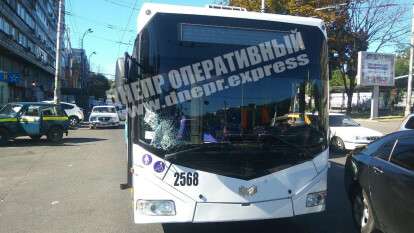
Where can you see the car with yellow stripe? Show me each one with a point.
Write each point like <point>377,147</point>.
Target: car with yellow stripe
<point>33,119</point>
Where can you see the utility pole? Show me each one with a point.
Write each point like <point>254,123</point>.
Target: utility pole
<point>410,71</point>
<point>82,72</point>
<point>60,29</point>
<point>262,8</point>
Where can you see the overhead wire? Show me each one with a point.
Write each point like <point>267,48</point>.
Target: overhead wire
<point>127,25</point>
<point>124,4</point>
<point>99,23</point>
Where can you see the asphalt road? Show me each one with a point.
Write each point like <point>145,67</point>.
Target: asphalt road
<point>75,188</point>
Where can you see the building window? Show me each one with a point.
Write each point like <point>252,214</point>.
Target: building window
<point>7,28</point>
<point>23,40</point>
<point>24,14</point>
<point>41,15</point>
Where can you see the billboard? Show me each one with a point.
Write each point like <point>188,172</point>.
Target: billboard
<point>375,69</point>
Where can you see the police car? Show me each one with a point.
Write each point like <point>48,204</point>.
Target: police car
<point>32,119</point>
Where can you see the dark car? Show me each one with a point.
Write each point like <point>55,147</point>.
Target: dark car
<point>379,180</point>
<point>34,120</point>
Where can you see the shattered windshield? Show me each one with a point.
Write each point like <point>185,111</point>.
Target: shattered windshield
<point>240,116</point>
<point>266,92</point>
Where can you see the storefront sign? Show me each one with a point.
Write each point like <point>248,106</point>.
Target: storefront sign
<point>10,77</point>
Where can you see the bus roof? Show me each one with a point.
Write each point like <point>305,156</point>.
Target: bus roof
<point>148,10</point>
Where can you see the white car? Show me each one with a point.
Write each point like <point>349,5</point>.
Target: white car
<point>75,113</point>
<point>346,134</point>
<point>104,116</point>
<point>122,112</point>
<point>408,123</point>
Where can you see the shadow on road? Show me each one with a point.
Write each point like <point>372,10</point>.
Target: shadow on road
<point>336,219</point>
<point>333,154</point>
<point>27,142</point>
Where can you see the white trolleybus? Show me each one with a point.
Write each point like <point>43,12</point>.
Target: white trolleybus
<point>227,115</point>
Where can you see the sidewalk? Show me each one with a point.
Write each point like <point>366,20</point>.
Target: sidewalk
<point>383,119</point>
<point>384,126</point>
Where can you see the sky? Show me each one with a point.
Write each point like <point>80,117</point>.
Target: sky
<point>108,19</point>
<point>114,24</point>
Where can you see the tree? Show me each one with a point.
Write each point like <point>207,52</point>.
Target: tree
<point>352,26</point>
<point>272,6</point>
<point>336,80</point>
<point>402,61</point>
<point>98,84</point>
<point>371,23</point>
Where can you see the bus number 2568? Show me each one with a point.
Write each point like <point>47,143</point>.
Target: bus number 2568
<point>186,179</point>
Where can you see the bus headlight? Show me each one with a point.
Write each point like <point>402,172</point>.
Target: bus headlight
<point>156,207</point>
<point>315,199</point>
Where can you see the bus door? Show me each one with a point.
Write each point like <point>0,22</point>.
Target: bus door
<point>30,121</point>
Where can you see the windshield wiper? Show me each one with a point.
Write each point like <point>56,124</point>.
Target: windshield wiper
<point>188,148</point>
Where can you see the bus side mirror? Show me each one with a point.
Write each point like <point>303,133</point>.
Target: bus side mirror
<point>126,70</point>
<point>120,75</point>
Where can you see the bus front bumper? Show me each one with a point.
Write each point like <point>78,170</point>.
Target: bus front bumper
<point>188,210</point>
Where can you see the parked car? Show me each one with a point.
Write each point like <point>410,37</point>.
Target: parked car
<point>379,181</point>
<point>408,123</point>
<point>74,112</point>
<point>346,134</point>
<point>122,112</point>
<point>104,116</point>
<point>33,119</point>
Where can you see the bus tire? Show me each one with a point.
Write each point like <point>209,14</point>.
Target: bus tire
<point>4,137</point>
<point>36,137</point>
<point>55,135</point>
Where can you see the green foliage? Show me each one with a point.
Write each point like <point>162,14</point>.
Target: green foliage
<point>98,84</point>
<point>336,80</point>
<point>402,62</point>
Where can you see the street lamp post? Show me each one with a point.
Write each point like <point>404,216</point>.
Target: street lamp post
<point>82,53</point>
<point>84,34</point>
<point>89,59</point>
<point>60,31</point>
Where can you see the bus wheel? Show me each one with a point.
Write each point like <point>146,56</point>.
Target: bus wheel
<point>55,135</point>
<point>36,137</point>
<point>4,137</point>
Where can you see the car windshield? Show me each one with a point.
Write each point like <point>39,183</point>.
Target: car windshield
<point>104,110</point>
<point>11,110</point>
<point>342,121</point>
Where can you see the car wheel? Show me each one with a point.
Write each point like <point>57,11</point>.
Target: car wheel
<point>338,144</point>
<point>55,135</point>
<point>36,137</point>
<point>73,121</point>
<point>4,137</point>
<point>362,213</point>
